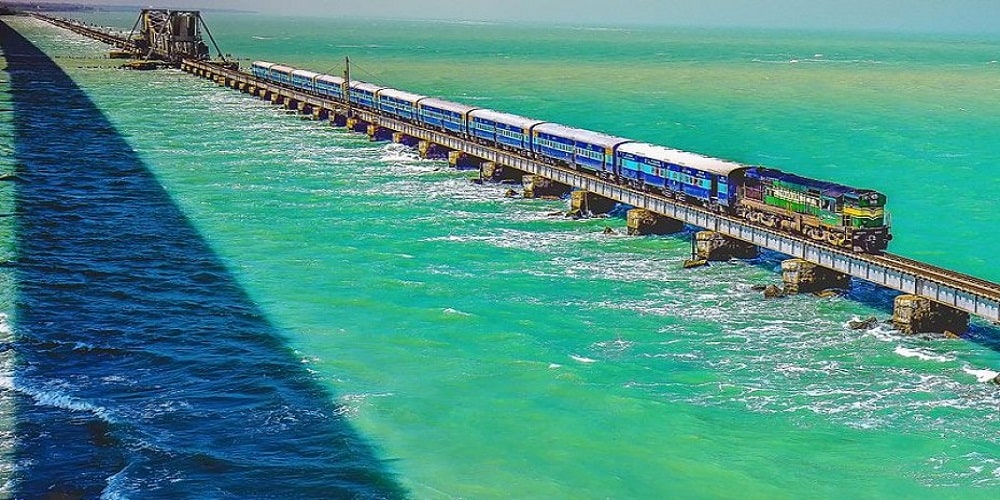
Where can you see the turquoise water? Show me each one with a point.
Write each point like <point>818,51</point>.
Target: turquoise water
<point>484,348</point>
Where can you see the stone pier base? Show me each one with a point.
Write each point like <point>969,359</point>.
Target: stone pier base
<point>406,140</point>
<point>640,222</point>
<point>356,125</point>
<point>586,204</point>
<point>802,276</point>
<point>338,120</point>
<point>377,133</point>
<point>712,246</point>
<point>494,172</point>
<point>536,186</point>
<point>430,151</point>
<point>463,161</point>
<point>915,314</point>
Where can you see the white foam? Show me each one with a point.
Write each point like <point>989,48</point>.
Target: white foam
<point>582,359</point>
<point>981,375</point>
<point>921,354</point>
<point>456,312</point>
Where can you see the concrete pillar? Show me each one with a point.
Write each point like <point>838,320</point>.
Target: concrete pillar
<point>802,276</point>
<point>536,186</point>
<point>378,134</point>
<point>494,172</point>
<point>275,98</point>
<point>337,119</point>
<point>640,221</point>
<point>712,246</point>
<point>406,140</point>
<point>463,161</point>
<point>586,203</point>
<point>914,314</point>
<point>302,107</point>
<point>357,125</point>
<point>430,151</point>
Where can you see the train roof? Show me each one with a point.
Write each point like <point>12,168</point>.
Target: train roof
<point>282,68</point>
<point>827,188</point>
<point>263,64</point>
<point>581,135</point>
<point>447,105</point>
<point>682,158</point>
<point>401,94</point>
<point>370,87</point>
<point>306,73</point>
<point>505,118</point>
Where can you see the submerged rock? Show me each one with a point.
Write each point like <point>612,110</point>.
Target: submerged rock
<point>773,292</point>
<point>692,263</point>
<point>865,324</point>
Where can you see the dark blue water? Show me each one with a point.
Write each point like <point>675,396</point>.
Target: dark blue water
<point>143,370</point>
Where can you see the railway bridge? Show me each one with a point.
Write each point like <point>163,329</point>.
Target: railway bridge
<point>932,300</point>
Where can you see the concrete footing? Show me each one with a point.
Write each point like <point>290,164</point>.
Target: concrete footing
<point>406,140</point>
<point>536,186</point>
<point>713,246</point>
<point>915,314</point>
<point>356,125</point>
<point>430,151</point>
<point>338,120</point>
<point>495,172</point>
<point>463,161</point>
<point>640,221</point>
<point>584,204</point>
<point>377,133</point>
<point>802,276</point>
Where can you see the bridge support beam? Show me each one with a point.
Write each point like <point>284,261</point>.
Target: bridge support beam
<point>536,186</point>
<point>802,276</point>
<point>640,222</point>
<point>914,314</point>
<point>586,204</point>
<point>430,151</point>
<point>406,140</point>
<point>712,246</point>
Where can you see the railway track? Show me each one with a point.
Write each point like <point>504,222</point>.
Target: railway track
<point>972,284</point>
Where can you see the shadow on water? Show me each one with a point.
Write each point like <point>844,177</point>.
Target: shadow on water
<point>142,367</point>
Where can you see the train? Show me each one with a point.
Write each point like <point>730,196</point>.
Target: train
<point>825,212</point>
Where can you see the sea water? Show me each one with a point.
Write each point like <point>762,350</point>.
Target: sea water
<point>446,341</point>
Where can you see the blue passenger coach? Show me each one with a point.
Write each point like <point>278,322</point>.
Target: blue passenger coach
<point>399,103</point>
<point>446,115</point>
<point>502,129</point>
<point>330,86</point>
<point>591,151</point>
<point>674,172</point>
<point>364,94</point>
<point>261,69</point>
<point>304,79</point>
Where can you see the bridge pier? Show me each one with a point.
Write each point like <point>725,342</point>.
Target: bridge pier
<point>464,161</point>
<point>378,134</point>
<point>536,186</point>
<point>406,140</point>
<point>914,314</point>
<point>802,276</point>
<point>357,125</point>
<point>495,172</point>
<point>712,246</point>
<point>431,151</point>
<point>337,119</point>
<point>585,204</point>
<point>640,222</point>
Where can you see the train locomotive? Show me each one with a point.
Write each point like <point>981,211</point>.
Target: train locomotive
<point>825,212</point>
